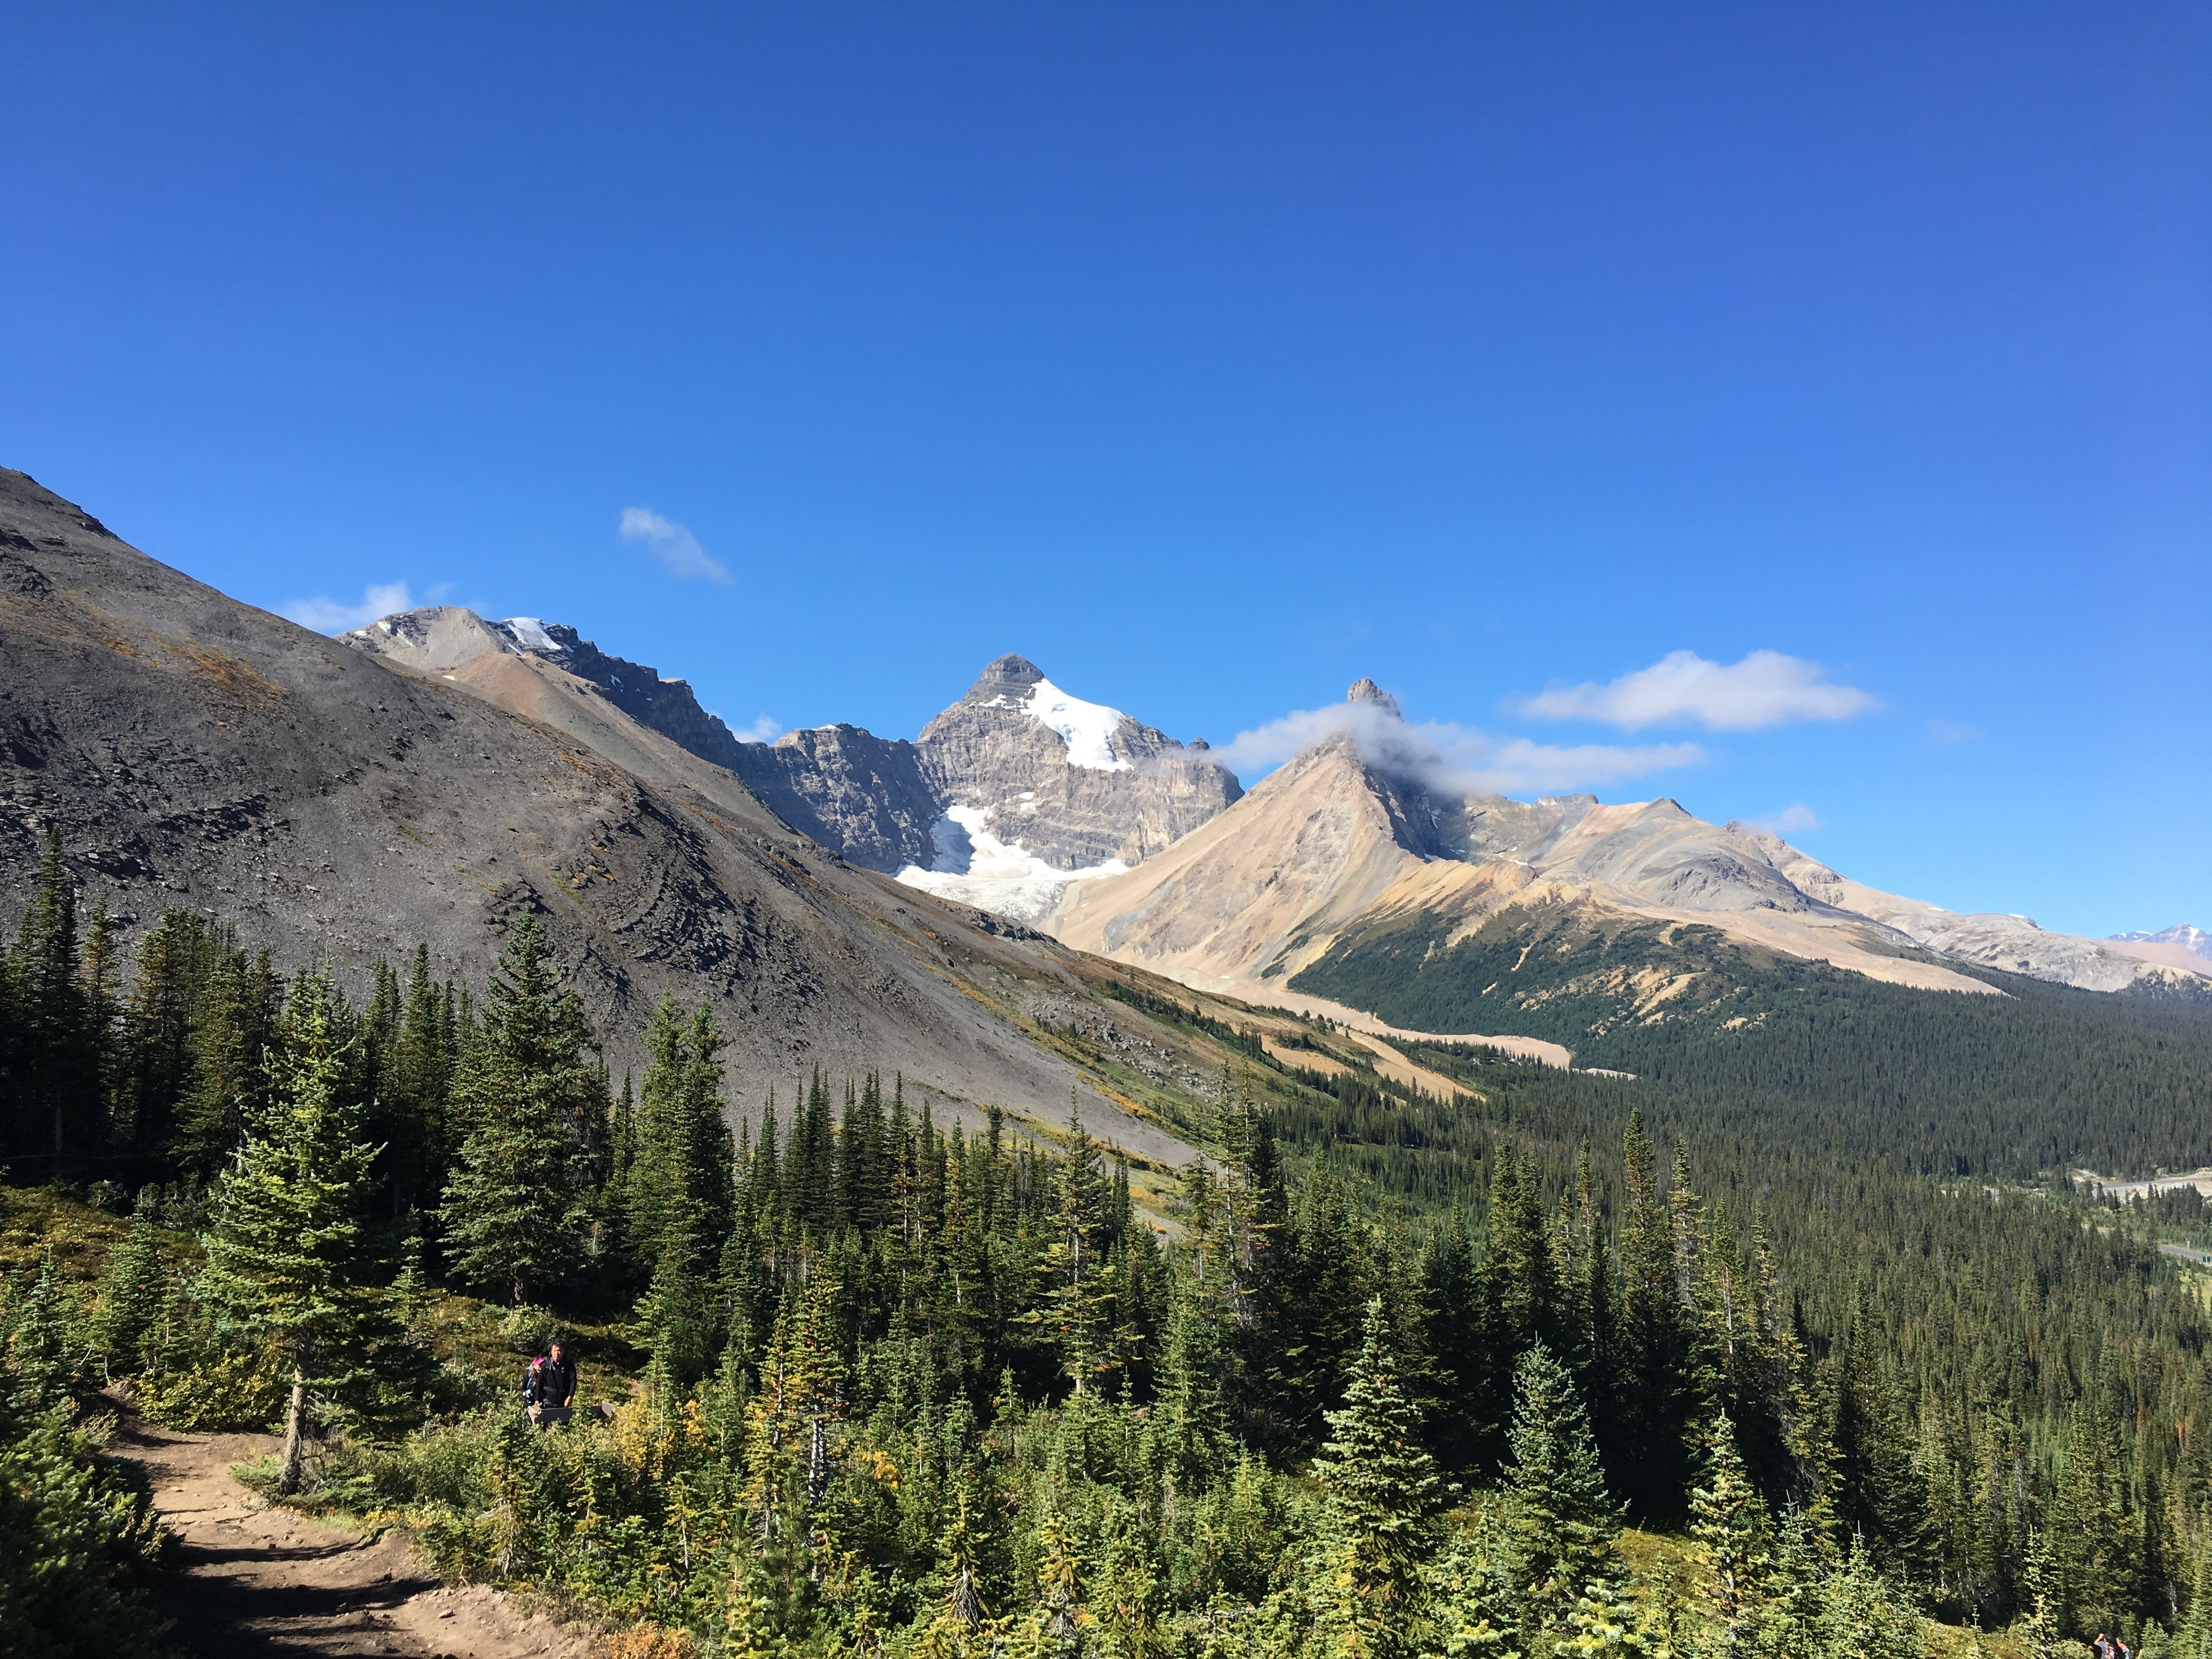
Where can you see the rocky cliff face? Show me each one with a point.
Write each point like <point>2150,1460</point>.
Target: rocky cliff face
<point>1075,782</point>
<point>1010,793</point>
<point>866,796</point>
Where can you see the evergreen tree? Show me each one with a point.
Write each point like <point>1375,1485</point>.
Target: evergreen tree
<point>175,960</point>
<point>1467,1423</point>
<point>1192,1393</point>
<point>1881,1493</point>
<point>513,1214</point>
<point>55,1084</point>
<point>1655,1404</point>
<point>288,1262</point>
<point>1382,1494</point>
<point>1561,1526</point>
<point>1523,1274</point>
<point>1729,1523</point>
<point>414,1086</point>
<point>131,1296</point>
<point>1081,1308</point>
<point>680,1186</point>
<point>77,1539</point>
<point>101,1052</point>
<point>41,1331</point>
<point>234,1024</point>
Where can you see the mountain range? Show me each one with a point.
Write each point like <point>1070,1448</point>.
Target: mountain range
<point>1029,803</point>
<point>1037,897</point>
<point>342,804</point>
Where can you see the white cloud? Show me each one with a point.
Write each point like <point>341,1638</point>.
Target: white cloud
<point>1765,689</point>
<point>766,729</point>
<point>1451,759</point>
<point>1942,732</point>
<point>334,616</point>
<point>676,547</point>
<point>1790,819</point>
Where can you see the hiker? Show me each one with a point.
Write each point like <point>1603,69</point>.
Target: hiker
<point>2103,1645</point>
<point>549,1387</point>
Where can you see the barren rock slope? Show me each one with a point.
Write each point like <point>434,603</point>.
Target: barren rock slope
<point>194,751</point>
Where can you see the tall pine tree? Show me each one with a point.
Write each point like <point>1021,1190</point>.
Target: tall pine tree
<point>289,1261</point>
<point>1383,1495</point>
<point>513,1214</point>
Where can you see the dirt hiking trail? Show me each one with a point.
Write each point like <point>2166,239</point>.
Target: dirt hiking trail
<point>252,1580</point>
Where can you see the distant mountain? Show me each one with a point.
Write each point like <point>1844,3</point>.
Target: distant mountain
<point>1039,790</point>
<point>2178,946</point>
<point>1011,794</point>
<point>1029,802</point>
<point>841,786</point>
<point>1336,855</point>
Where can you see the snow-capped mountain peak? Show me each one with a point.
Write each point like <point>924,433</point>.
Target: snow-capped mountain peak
<point>2193,939</point>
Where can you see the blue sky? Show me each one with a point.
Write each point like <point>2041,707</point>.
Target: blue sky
<point>1213,356</point>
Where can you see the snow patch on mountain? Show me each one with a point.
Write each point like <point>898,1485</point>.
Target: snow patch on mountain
<point>1087,728</point>
<point>973,867</point>
<point>529,633</point>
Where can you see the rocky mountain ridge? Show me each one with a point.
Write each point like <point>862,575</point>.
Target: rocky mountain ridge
<point>1005,799</point>
<point>1342,840</point>
<point>341,805</point>
<point>2181,945</point>
<point>1031,803</point>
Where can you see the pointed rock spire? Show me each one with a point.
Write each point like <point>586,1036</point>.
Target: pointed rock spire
<point>1010,678</point>
<point>1365,691</point>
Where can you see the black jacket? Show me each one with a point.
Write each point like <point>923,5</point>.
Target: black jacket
<point>549,1382</point>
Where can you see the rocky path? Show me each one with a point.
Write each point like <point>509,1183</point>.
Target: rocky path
<point>251,1580</point>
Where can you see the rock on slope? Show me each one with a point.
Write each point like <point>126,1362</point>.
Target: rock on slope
<point>196,751</point>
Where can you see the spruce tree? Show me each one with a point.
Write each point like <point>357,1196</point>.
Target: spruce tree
<point>234,1022</point>
<point>42,1326</point>
<point>680,1186</point>
<point>1382,1494</point>
<point>513,1214</point>
<point>1467,1427</point>
<point>1729,1523</point>
<point>174,961</point>
<point>288,1262</point>
<point>1080,1300</point>
<point>414,1085</point>
<point>101,1049</point>
<point>131,1296</point>
<point>57,1096</point>
<point>1881,1493</point>
<point>1655,1390</point>
<point>1193,1392</point>
<point>1561,1526</point>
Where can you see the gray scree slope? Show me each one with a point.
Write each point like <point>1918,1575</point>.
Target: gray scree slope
<point>197,751</point>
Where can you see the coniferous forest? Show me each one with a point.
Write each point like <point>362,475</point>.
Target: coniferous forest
<point>1561,1365</point>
